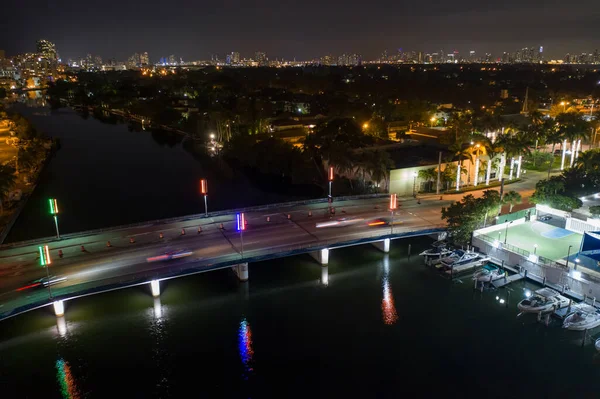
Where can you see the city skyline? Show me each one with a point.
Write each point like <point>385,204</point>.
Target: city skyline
<point>195,31</point>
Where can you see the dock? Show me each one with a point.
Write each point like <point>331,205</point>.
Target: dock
<point>501,282</point>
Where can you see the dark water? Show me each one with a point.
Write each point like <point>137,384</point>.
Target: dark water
<point>106,175</point>
<point>382,327</point>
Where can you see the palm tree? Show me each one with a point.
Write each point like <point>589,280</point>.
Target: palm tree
<point>512,197</point>
<point>7,181</point>
<point>588,161</point>
<point>427,174</point>
<point>378,164</point>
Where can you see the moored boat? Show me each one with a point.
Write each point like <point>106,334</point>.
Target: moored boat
<point>583,317</point>
<point>489,273</point>
<point>543,300</point>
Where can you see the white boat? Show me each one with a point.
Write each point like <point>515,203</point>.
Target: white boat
<point>543,300</point>
<point>436,252</point>
<point>489,273</point>
<point>583,317</point>
<point>462,260</point>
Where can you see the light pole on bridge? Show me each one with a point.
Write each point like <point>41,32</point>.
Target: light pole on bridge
<point>54,213</point>
<point>393,207</point>
<point>204,192</point>
<point>241,226</point>
<point>45,262</point>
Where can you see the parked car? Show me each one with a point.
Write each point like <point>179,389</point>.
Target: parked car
<point>545,218</point>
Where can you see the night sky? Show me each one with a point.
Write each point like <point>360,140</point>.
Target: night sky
<point>302,29</point>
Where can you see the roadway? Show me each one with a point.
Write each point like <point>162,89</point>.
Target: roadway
<point>124,262</point>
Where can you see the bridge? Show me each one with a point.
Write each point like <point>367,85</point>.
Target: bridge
<point>92,262</point>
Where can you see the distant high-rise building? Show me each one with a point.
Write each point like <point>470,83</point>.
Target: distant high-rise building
<point>144,59</point>
<point>261,58</point>
<point>133,61</point>
<point>327,60</point>
<point>47,50</point>
<point>98,61</point>
<point>171,60</point>
<point>3,54</point>
<point>596,57</point>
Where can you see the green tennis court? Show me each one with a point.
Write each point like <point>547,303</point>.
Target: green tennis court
<point>552,242</point>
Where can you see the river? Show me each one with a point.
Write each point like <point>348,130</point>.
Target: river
<point>381,326</point>
<point>109,175</point>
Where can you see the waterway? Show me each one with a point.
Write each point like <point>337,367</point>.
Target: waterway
<point>382,326</point>
<point>113,174</point>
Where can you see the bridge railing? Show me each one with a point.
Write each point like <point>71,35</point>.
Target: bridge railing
<point>177,219</point>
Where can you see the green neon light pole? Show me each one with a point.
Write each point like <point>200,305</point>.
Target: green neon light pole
<point>54,213</point>
<point>45,262</point>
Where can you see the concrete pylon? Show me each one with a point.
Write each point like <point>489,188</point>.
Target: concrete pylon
<point>59,308</point>
<point>321,256</point>
<point>155,288</point>
<point>241,270</point>
<point>383,246</point>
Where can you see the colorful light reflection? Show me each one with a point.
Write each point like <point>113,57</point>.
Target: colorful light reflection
<point>66,380</point>
<point>245,344</point>
<point>388,308</point>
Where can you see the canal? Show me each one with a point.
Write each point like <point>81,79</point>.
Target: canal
<point>382,326</point>
<point>109,175</point>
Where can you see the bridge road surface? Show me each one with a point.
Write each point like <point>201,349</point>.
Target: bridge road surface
<point>100,265</point>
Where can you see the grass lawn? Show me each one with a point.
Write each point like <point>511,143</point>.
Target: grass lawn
<point>552,242</point>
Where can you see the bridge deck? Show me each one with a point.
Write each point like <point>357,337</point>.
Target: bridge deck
<point>98,268</point>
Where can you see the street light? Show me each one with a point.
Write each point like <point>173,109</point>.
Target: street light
<point>54,212</point>
<point>568,254</point>
<point>241,226</point>
<point>330,179</point>
<point>204,192</point>
<point>393,207</point>
<point>365,125</point>
<point>506,231</point>
<point>415,184</point>
<point>433,120</point>
<point>45,262</point>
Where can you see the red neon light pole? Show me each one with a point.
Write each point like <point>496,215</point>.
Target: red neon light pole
<point>393,207</point>
<point>204,192</point>
<point>330,178</point>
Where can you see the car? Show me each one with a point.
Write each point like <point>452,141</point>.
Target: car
<point>176,254</point>
<point>383,222</point>
<point>545,218</point>
<point>339,222</point>
<point>43,282</point>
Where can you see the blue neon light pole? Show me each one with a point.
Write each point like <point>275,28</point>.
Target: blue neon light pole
<point>241,226</point>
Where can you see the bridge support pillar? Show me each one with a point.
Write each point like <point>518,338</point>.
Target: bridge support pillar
<point>325,275</point>
<point>383,246</point>
<point>321,256</point>
<point>59,308</point>
<point>155,288</point>
<point>241,271</point>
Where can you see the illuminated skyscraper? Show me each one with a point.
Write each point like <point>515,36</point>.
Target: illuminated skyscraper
<point>144,58</point>
<point>261,58</point>
<point>47,50</point>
